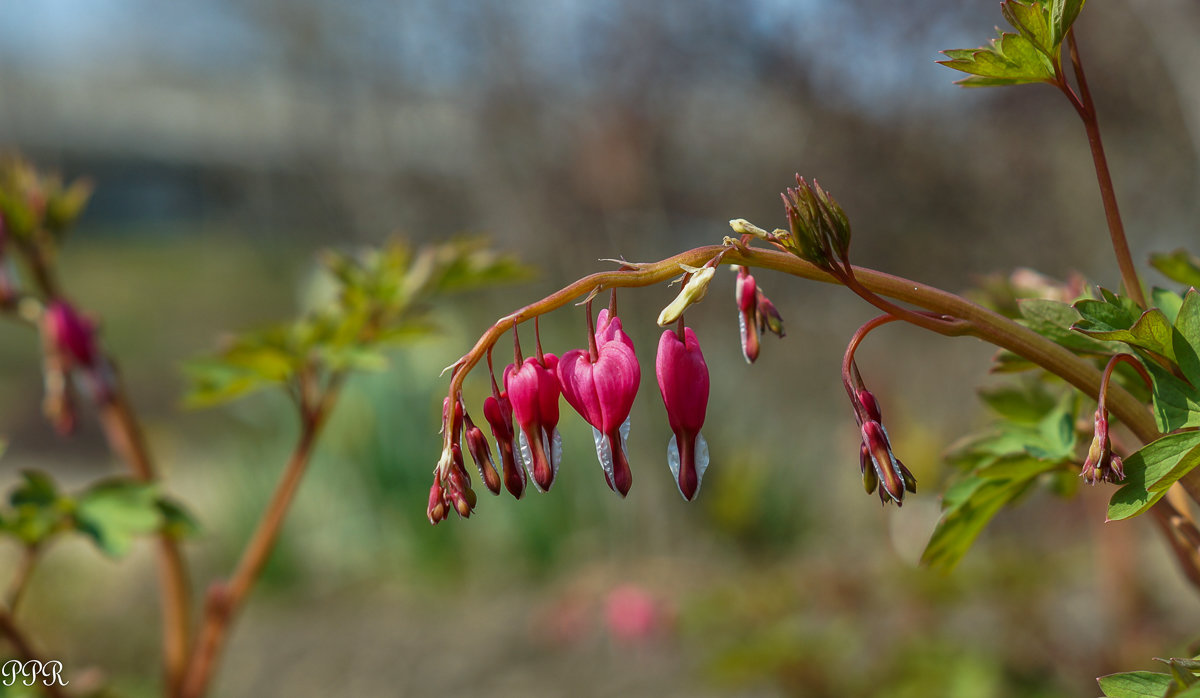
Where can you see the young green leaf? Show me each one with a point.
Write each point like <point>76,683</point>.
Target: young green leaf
<point>1178,266</point>
<point>1150,470</point>
<point>1167,301</point>
<point>1062,15</point>
<point>965,517</point>
<point>1010,60</point>
<point>177,521</point>
<point>112,513</point>
<point>1135,684</point>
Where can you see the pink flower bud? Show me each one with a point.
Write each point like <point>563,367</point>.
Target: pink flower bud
<point>683,383</point>
<point>70,334</point>
<point>1101,463</point>
<point>498,412</point>
<point>602,391</point>
<point>533,390</point>
<point>481,453</point>
<point>745,292</point>
<point>887,468</point>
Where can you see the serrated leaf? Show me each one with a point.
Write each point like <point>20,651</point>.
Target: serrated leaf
<point>1033,23</point>
<point>1135,684</point>
<point>1010,60</point>
<point>1153,464</point>
<point>1121,321</point>
<point>1178,266</point>
<point>114,512</point>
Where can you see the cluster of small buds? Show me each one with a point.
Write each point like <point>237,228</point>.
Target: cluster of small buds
<point>882,471</point>
<point>1102,463</point>
<point>756,314</point>
<point>820,230</point>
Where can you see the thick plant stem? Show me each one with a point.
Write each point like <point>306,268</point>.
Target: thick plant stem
<point>1116,229</point>
<point>225,599</point>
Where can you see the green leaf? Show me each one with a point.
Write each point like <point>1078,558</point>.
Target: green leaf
<point>1178,266</point>
<point>39,510</point>
<point>1033,22</point>
<point>1167,301</point>
<point>1054,319</point>
<point>1010,60</point>
<point>1024,403</point>
<point>1121,321</point>
<point>1187,337</point>
<point>1135,684</point>
<point>38,489</point>
<point>1016,467</point>
<point>1062,16</point>
<point>968,513</point>
<point>177,521</point>
<point>1150,470</point>
<point>112,513</point>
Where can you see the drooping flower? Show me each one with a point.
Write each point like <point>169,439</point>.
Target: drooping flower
<point>1102,463</point>
<point>882,472</point>
<point>481,453</point>
<point>601,383</point>
<point>683,382</point>
<point>533,391</point>
<point>497,410</point>
<point>746,294</point>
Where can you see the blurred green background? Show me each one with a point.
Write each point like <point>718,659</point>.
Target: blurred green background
<point>229,141</point>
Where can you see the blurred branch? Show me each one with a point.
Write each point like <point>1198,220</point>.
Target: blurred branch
<point>20,580</point>
<point>225,599</point>
<point>123,432</point>
<point>24,649</point>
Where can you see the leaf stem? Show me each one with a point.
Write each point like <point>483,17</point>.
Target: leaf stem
<point>1086,109</point>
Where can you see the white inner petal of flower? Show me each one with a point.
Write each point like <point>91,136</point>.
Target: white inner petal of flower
<point>604,453</point>
<point>701,461</point>
<point>742,332</point>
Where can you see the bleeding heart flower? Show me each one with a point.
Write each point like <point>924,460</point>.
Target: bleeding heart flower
<point>533,391</point>
<point>601,383</point>
<point>683,382</point>
<point>498,412</point>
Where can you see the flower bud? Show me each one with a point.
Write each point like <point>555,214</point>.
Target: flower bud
<point>741,226</point>
<point>768,316</point>
<point>481,453</point>
<point>70,334</point>
<point>692,292</point>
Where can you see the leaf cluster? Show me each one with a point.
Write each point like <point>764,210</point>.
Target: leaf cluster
<point>111,513</point>
<point>1033,439</point>
<point>1031,54</point>
<point>365,303</point>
